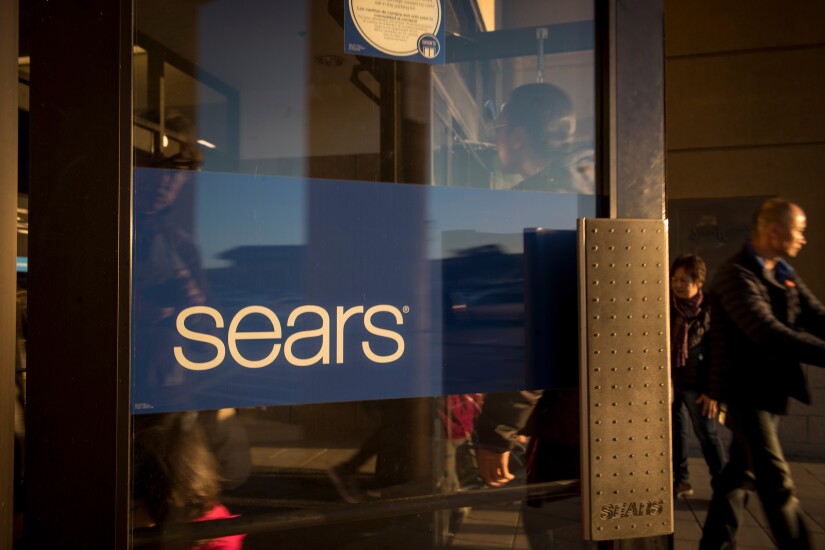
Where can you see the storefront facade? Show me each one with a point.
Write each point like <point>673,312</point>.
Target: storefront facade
<point>285,229</point>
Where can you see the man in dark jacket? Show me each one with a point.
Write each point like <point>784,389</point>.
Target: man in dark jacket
<point>765,323</point>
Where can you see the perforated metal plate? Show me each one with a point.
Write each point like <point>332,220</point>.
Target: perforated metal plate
<point>627,488</point>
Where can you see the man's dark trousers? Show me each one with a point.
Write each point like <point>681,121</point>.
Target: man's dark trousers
<point>755,449</point>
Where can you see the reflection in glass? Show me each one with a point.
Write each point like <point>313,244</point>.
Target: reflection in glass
<point>264,156</point>
<point>535,140</point>
<point>179,474</point>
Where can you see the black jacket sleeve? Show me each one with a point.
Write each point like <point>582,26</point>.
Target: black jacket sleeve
<point>744,299</point>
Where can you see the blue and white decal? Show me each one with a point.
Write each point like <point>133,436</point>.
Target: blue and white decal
<point>255,291</point>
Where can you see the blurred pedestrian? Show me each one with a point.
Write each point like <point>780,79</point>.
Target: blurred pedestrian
<point>765,323</point>
<point>176,478</point>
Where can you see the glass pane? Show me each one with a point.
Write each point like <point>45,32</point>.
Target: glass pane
<point>348,269</point>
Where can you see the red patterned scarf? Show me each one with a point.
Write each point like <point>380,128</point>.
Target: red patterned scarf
<point>683,312</point>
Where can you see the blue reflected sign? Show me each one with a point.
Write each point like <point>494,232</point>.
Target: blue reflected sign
<point>254,291</point>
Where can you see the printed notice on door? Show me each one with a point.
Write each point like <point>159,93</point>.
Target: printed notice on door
<point>409,30</point>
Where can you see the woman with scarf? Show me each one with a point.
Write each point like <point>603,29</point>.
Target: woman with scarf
<point>690,320</point>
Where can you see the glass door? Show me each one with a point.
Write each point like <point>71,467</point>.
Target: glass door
<point>354,271</point>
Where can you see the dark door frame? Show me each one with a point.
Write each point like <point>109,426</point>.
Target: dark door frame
<point>77,460</point>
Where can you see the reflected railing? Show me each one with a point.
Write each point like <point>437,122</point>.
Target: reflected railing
<point>268,523</point>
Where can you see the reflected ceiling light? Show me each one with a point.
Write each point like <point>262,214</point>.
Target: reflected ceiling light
<point>165,141</point>
<point>329,60</point>
<point>206,144</point>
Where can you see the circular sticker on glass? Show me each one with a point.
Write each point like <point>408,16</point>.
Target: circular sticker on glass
<point>398,27</point>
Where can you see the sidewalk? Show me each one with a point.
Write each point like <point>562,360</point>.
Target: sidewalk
<point>690,512</point>
<point>502,526</point>
<point>293,478</point>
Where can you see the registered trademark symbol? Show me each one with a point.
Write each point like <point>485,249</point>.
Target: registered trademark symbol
<point>406,309</point>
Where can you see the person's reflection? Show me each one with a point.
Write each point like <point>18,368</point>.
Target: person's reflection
<point>535,131</point>
<point>548,420</point>
<point>167,273</point>
<point>390,442</point>
<point>458,414</point>
<point>168,277</point>
<point>176,478</point>
<point>535,139</point>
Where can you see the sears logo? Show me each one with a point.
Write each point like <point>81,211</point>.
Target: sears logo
<point>368,318</point>
<point>632,509</point>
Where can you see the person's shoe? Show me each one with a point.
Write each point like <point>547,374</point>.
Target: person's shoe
<point>345,483</point>
<point>683,489</point>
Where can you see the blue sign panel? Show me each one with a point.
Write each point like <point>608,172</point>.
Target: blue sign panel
<point>254,291</point>
<point>408,30</point>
